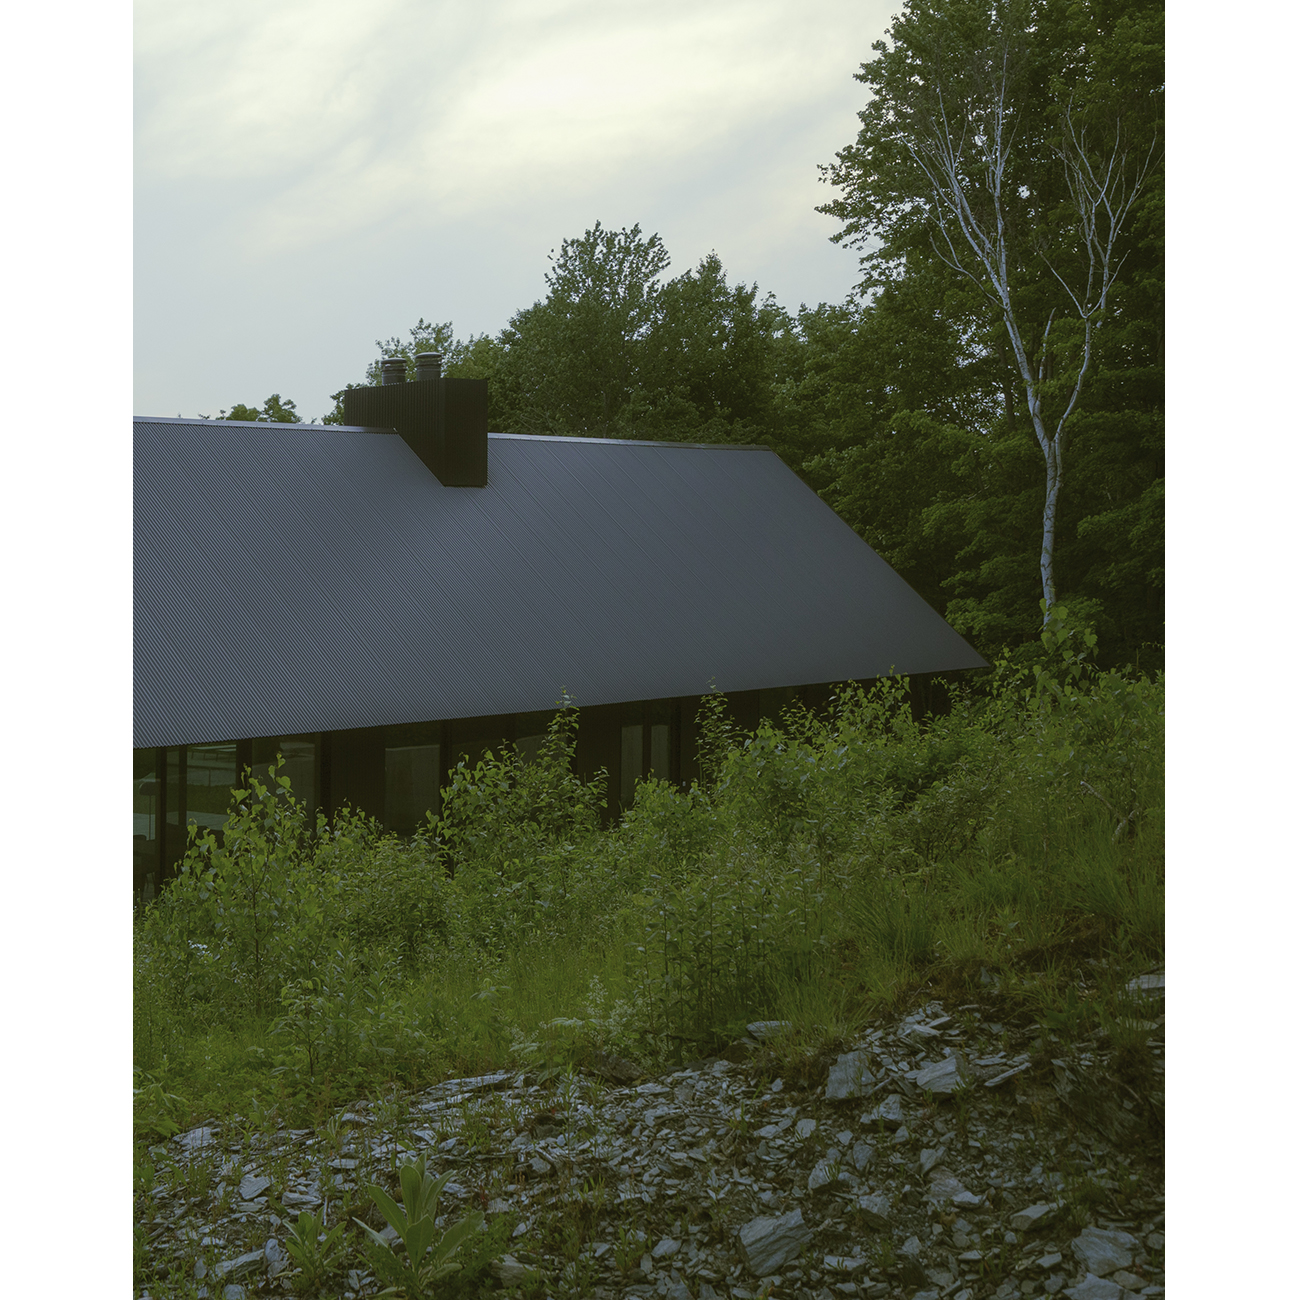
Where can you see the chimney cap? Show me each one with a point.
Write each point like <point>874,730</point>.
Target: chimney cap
<point>394,370</point>
<point>428,365</point>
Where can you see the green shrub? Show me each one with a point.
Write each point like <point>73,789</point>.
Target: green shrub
<point>249,910</point>
<point>820,861</point>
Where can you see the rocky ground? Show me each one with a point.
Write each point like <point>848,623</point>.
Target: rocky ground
<point>953,1152</point>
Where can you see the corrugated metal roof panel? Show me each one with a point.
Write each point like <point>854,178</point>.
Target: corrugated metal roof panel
<point>297,578</point>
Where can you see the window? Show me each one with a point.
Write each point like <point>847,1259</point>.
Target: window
<point>530,733</point>
<point>147,792</point>
<point>299,754</point>
<point>632,764</point>
<point>661,751</point>
<point>410,786</point>
<point>145,806</point>
<point>209,775</point>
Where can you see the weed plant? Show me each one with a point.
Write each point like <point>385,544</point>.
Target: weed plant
<point>822,865</point>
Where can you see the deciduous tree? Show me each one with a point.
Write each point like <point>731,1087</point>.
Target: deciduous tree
<point>998,145</point>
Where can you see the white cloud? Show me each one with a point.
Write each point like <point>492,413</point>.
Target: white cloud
<point>398,158</point>
<point>323,118</point>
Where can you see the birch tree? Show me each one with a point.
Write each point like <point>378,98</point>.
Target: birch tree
<point>988,147</point>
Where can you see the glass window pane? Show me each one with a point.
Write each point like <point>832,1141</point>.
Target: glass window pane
<point>529,747</point>
<point>300,768</point>
<point>299,754</point>
<point>410,786</point>
<point>145,807</point>
<point>632,757</point>
<point>661,751</point>
<point>173,786</point>
<point>209,775</point>
<point>146,789</point>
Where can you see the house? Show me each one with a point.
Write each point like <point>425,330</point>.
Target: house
<point>377,599</point>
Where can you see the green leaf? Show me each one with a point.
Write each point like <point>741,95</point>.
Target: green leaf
<point>389,1208</point>
<point>418,1237</point>
<point>454,1236</point>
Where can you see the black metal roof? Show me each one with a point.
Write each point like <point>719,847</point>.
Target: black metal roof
<point>298,578</point>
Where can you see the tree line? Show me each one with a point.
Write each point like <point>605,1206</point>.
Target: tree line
<point>986,409</point>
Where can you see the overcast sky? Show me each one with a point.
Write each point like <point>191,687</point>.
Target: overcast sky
<point>312,176</point>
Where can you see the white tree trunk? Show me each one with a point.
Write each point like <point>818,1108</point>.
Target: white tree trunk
<point>979,249</point>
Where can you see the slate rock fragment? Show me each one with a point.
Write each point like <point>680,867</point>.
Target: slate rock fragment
<point>875,1210</point>
<point>1102,1250</point>
<point>240,1266</point>
<point>508,1271</point>
<point>888,1112</point>
<point>1033,1216</point>
<point>862,1154</point>
<point>849,1077</point>
<point>252,1186</point>
<point>943,1077</point>
<point>1097,1288</point>
<point>768,1243</point>
<point>196,1139</point>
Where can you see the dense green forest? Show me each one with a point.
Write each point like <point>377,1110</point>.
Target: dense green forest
<point>1000,362</point>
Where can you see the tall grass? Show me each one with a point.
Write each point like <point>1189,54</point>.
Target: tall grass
<point>824,865</point>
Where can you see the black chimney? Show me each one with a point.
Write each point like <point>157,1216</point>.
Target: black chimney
<point>443,420</point>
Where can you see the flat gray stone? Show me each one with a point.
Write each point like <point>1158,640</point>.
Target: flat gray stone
<point>888,1112</point>
<point>665,1249</point>
<point>678,1291</point>
<point>765,1029</point>
<point>945,1186</point>
<point>277,1258</point>
<point>1096,1288</point>
<point>1033,1216</point>
<point>240,1266</point>
<point>768,1243</point>
<point>820,1176</point>
<point>929,1157</point>
<point>845,1263</point>
<point>196,1139</point>
<point>998,1079</point>
<point>1149,986</point>
<point>862,1154</point>
<point>508,1271</point>
<point>943,1077</point>
<point>1102,1250</point>
<point>251,1186</point>
<point>875,1210</point>
<point>849,1077</point>
<point>479,1083</point>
